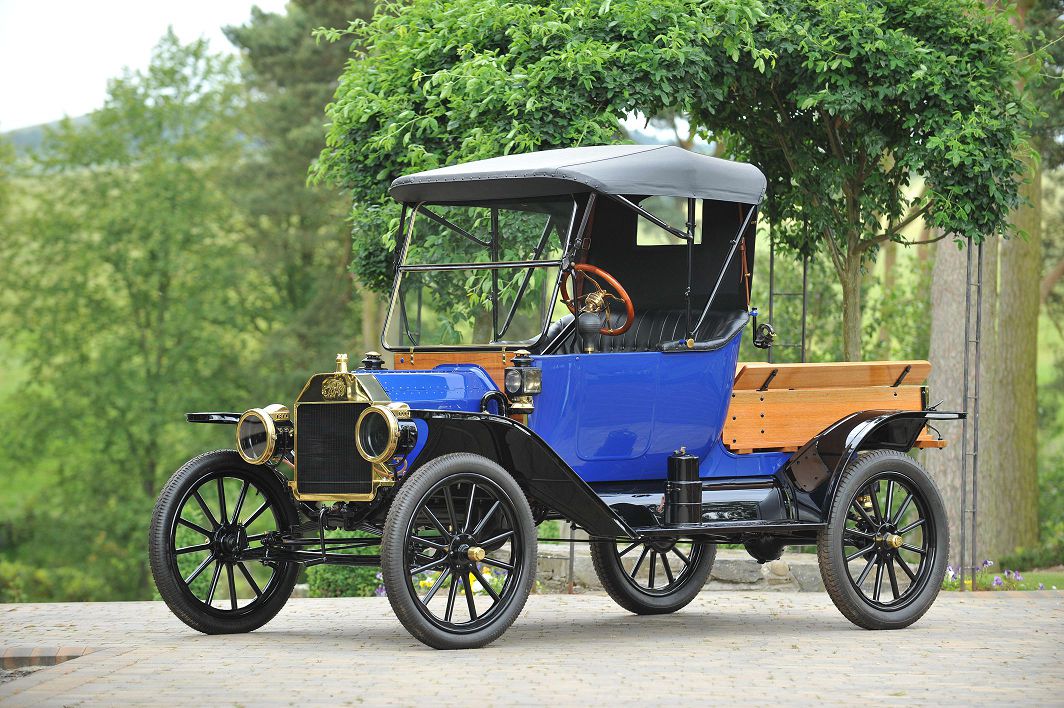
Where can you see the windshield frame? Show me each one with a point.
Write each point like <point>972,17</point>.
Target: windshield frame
<point>407,222</point>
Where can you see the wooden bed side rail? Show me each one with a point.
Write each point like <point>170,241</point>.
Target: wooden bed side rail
<point>784,420</point>
<point>846,374</point>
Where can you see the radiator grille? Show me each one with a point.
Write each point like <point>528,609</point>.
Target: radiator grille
<point>327,461</point>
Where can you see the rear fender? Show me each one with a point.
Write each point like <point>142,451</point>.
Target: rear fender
<point>537,468</point>
<point>813,472</point>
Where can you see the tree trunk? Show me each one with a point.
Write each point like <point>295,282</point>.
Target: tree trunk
<point>371,327</point>
<point>946,382</point>
<point>1008,499</point>
<point>850,278</point>
<point>890,261</point>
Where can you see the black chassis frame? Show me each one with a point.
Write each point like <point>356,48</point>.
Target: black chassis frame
<point>792,505</point>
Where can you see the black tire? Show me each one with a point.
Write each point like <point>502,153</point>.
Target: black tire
<point>628,589</point>
<point>888,515</point>
<point>441,519</point>
<point>184,511</point>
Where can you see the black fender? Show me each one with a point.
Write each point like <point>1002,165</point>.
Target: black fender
<point>812,474</point>
<point>219,418</point>
<point>539,470</point>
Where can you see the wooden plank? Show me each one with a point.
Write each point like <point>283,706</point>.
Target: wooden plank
<point>925,440</point>
<point>846,374</point>
<point>787,418</point>
<point>492,362</point>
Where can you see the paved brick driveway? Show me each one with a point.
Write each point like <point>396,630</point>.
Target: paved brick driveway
<point>760,648</point>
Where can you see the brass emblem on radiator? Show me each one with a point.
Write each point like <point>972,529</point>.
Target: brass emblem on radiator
<point>334,387</point>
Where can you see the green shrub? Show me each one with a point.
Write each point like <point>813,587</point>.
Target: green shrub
<point>1049,553</point>
<point>342,581</point>
<point>346,580</point>
<point>23,583</point>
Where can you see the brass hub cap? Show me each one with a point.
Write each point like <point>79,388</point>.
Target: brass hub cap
<point>475,554</point>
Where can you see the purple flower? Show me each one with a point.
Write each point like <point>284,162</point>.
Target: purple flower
<point>380,591</point>
<point>998,582</point>
<point>1017,577</point>
<point>987,563</point>
<point>1041,586</point>
<point>1008,573</point>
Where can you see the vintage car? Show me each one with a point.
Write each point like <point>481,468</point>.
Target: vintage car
<point>564,335</point>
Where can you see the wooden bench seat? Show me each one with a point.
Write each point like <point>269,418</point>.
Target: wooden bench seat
<point>780,407</point>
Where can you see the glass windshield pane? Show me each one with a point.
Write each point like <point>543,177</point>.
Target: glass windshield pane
<point>478,306</point>
<point>454,307</point>
<point>450,233</point>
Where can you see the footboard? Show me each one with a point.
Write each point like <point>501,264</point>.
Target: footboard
<point>780,407</point>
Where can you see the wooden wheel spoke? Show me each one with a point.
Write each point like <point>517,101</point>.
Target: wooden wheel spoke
<point>858,554</point>
<point>686,560</point>
<point>484,583</point>
<point>214,581</point>
<point>668,570</point>
<point>875,503</point>
<point>240,501</point>
<point>449,612</point>
<point>199,569</point>
<point>653,567</point>
<point>914,549</point>
<point>890,497</point>
<point>249,579</point>
<point>198,529</point>
<point>428,566</point>
<point>203,507</point>
<point>436,522</point>
<point>864,573</point>
<point>426,542</point>
<point>863,514</point>
<point>497,564</point>
<point>495,539</point>
<point>901,509</point>
<point>626,550</point>
<point>893,578</point>
<point>193,549</point>
<point>470,601</point>
<point>232,585</point>
<point>905,567</point>
<point>444,574</point>
<point>913,525</point>
<point>469,511</point>
<point>879,580</point>
<point>221,500</point>
<point>258,512</point>
<point>487,517</point>
<point>451,515</point>
<point>639,563</point>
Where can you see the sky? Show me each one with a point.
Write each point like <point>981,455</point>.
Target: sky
<point>57,55</point>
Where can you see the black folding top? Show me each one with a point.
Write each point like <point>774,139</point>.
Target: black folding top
<point>644,170</point>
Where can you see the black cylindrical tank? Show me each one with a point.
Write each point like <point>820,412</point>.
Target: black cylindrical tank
<point>683,490</point>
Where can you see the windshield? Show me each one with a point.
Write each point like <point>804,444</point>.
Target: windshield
<point>478,274</point>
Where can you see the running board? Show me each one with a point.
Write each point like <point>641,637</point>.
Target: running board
<point>735,529</point>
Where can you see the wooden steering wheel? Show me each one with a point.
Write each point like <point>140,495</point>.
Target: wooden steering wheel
<point>599,299</point>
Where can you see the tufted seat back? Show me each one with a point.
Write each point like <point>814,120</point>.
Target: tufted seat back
<point>652,330</point>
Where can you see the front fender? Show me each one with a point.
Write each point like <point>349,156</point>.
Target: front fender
<point>813,472</point>
<point>536,467</point>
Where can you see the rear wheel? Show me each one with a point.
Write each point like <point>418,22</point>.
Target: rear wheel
<point>653,577</point>
<point>883,554</point>
<point>458,553</point>
<point>208,519</point>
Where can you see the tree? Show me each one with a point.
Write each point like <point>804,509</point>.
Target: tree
<point>130,301</point>
<point>843,104</point>
<point>302,240</point>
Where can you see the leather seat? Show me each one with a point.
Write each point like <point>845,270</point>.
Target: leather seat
<point>652,330</point>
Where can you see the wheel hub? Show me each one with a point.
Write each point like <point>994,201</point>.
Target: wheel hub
<point>230,540</point>
<point>464,550</point>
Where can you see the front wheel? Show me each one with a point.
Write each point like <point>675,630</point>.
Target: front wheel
<point>653,577</point>
<point>883,553</point>
<point>206,526</point>
<point>458,553</point>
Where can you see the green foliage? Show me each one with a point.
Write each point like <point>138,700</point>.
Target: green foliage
<point>1045,27</point>
<point>23,583</point>
<point>842,103</point>
<point>300,237</point>
<point>1048,554</point>
<point>445,82</point>
<point>127,295</point>
<point>342,581</point>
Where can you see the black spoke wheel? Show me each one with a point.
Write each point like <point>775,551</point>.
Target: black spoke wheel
<point>654,576</point>
<point>883,554</point>
<point>206,522</point>
<point>458,555</point>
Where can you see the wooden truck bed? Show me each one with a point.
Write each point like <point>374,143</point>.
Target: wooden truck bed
<point>780,407</point>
